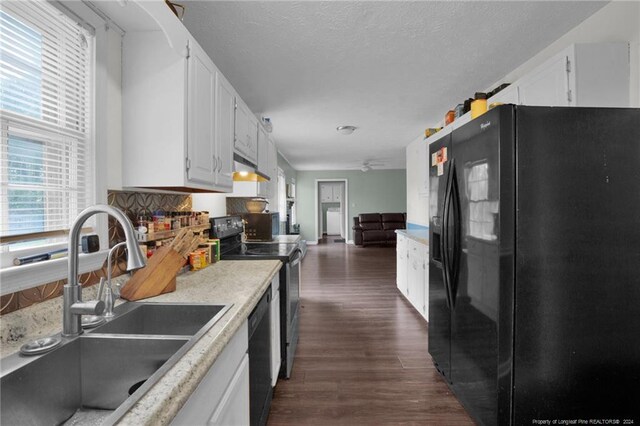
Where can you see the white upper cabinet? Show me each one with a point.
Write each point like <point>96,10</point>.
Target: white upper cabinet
<point>225,132</point>
<point>263,151</point>
<point>273,171</point>
<point>330,192</point>
<point>246,138</point>
<point>201,144</point>
<point>171,138</point>
<point>547,85</point>
<point>252,141</point>
<point>508,95</point>
<point>594,74</point>
<point>586,75</point>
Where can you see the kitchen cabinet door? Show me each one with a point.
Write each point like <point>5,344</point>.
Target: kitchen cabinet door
<point>245,132</point>
<point>225,109</point>
<point>252,139</point>
<point>232,409</point>
<point>273,173</point>
<point>547,85</point>
<point>416,277</point>
<point>508,95</point>
<point>201,160</point>
<point>326,192</point>
<point>402,263</point>
<point>263,160</point>
<point>263,151</point>
<point>222,397</point>
<point>337,193</point>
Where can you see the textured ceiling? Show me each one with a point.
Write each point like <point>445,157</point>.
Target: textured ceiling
<point>389,68</point>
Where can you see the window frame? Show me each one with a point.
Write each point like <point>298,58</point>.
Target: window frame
<point>17,278</point>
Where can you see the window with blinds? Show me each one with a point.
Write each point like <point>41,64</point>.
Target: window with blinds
<point>46,72</point>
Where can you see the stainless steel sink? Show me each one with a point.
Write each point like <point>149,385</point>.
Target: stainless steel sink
<point>172,319</point>
<point>108,369</point>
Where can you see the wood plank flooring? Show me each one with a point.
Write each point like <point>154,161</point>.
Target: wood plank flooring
<point>362,358</point>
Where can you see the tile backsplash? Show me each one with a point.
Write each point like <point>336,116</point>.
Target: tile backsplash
<point>133,204</point>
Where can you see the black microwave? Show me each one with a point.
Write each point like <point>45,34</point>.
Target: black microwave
<point>261,226</point>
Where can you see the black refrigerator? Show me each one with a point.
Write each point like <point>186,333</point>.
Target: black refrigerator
<point>534,269</point>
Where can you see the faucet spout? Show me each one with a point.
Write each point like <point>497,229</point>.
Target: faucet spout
<point>73,306</point>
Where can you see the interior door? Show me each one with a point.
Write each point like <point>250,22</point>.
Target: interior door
<point>439,305</point>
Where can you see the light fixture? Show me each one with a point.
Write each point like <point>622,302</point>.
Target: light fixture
<point>365,168</point>
<point>243,173</point>
<point>346,130</point>
<point>267,124</point>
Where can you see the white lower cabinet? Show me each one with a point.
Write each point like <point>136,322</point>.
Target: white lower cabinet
<point>275,330</point>
<point>401,263</point>
<point>412,273</point>
<point>222,397</point>
<point>232,409</point>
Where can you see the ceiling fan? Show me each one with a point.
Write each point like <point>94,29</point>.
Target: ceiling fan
<point>369,165</point>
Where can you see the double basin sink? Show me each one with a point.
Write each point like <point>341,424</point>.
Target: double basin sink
<point>97,377</point>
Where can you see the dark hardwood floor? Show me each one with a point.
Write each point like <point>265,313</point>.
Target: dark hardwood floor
<point>362,357</point>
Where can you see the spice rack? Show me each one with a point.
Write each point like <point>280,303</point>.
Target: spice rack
<point>170,233</point>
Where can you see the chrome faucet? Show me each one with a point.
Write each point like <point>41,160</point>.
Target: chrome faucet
<point>73,306</point>
<point>109,294</point>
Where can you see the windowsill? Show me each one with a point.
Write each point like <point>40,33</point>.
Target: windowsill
<point>18,278</point>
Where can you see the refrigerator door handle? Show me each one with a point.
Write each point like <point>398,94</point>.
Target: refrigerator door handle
<point>454,199</point>
<point>446,266</point>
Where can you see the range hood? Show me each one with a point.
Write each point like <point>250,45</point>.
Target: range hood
<point>246,171</point>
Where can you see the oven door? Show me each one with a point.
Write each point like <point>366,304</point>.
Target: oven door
<point>293,290</point>
<point>289,305</point>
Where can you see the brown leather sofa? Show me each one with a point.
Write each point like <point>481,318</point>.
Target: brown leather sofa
<point>377,228</point>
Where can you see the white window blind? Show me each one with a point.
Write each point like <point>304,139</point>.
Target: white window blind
<point>46,72</point>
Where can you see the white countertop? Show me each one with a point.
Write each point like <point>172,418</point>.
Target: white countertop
<point>419,235</point>
<point>240,283</point>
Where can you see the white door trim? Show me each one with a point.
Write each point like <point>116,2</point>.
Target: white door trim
<point>345,204</point>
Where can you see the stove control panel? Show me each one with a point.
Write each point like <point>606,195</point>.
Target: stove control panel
<point>226,226</point>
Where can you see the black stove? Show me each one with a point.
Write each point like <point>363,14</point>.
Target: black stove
<point>284,252</point>
<point>229,230</point>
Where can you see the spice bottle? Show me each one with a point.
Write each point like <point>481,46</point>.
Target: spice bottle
<point>479,105</point>
<point>449,117</point>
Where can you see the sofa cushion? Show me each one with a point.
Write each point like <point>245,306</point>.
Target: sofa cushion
<point>391,235</point>
<point>393,225</point>
<point>371,226</point>
<point>370,217</point>
<point>392,217</point>
<point>374,236</point>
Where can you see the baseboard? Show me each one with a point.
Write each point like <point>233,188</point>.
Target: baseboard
<point>350,242</point>
<point>312,243</point>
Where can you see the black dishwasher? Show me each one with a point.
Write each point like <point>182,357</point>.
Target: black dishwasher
<point>260,390</point>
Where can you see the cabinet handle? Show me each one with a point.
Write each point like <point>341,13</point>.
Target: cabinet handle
<point>215,163</point>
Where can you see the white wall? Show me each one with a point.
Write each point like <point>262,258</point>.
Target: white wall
<point>417,205</point>
<point>617,21</point>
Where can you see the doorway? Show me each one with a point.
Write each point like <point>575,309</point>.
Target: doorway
<point>332,210</point>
